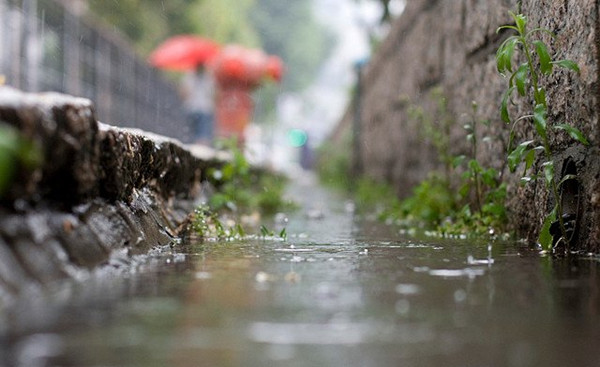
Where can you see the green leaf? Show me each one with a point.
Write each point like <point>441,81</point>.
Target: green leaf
<point>548,172</point>
<point>497,210</point>
<point>509,51</point>
<point>504,54</point>
<point>520,21</point>
<point>500,61</point>
<point>283,234</point>
<point>539,29</point>
<point>504,105</point>
<point>9,139</point>
<point>457,161</point>
<point>545,238</point>
<point>474,166</point>
<point>568,64</point>
<point>15,150</point>
<point>511,138</point>
<point>539,96</point>
<point>8,168</point>
<point>529,158</point>
<point>573,132</point>
<point>464,190</point>
<point>539,119</point>
<point>506,27</point>
<point>545,60</point>
<point>567,178</point>
<point>526,179</point>
<point>240,230</point>
<point>516,156</point>
<point>521,79</point>
<point>489,177</point>
<point>264,231</point>
<point>30,154</point>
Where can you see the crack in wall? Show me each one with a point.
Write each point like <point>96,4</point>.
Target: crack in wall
<point>488,47</point>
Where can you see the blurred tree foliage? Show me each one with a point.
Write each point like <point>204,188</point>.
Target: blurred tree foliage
<point>287,28</point>
<point>225,21</point>
<point>146,22</point>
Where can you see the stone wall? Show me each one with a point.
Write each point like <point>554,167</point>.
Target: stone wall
<point>452,45</point>
<point>99,194</point>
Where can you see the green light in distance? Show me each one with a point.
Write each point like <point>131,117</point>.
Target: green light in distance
<point>297,137</point>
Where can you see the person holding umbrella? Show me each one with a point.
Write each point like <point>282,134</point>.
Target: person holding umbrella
<point>238,71</point>
<point>190,53</point>
<point>198,99</point>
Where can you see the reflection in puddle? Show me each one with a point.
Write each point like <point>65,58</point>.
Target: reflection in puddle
<point>321,334</point>
<point>348,333</point>
<point>454,273</point>
<point>331,297</point>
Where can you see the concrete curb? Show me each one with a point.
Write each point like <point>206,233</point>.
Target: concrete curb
<point>100,190</point>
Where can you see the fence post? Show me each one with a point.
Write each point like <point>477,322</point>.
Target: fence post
<point>3,38</point>
<point>32,44</point>
<point>15,37</point>
<point>71,74</point>
<point>103,78</point>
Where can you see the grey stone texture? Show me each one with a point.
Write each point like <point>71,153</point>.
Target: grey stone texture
<point>452,45</point>
<point>100,191</point>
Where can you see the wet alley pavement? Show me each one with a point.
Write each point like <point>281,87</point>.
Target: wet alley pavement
<point>341,291</point>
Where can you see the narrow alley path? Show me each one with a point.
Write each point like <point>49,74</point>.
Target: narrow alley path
<point>339,292</point>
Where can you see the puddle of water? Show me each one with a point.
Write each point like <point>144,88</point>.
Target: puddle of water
<point>345,293</point>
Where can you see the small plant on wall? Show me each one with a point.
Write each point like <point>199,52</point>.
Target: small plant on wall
<point>524,82</point>
<point>464,198</point>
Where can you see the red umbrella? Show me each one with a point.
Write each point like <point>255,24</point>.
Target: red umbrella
<point>238,65</point>
<point>274,68</point>
<point>183,52</point>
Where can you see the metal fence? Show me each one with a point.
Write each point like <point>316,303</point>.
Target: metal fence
<point>46,47</point>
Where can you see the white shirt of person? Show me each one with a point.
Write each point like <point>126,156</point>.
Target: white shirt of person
<point>198,91</point>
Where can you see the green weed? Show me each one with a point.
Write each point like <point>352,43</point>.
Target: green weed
<point>481,188</point>
<point>241,191</point>
<point>524,81</point>
<point>466,198</point>
<point>15,152</point>
<point>209,226</point>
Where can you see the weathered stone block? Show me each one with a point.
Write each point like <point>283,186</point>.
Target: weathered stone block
<point>99,190</point>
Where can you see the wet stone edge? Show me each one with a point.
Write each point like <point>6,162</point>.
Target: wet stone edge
<point>100,190</point>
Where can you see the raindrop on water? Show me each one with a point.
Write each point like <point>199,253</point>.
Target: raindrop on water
<point>460,296</point>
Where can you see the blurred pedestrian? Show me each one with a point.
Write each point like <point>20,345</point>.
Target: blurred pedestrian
<point>199,101</point>
<point>234,111</point>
